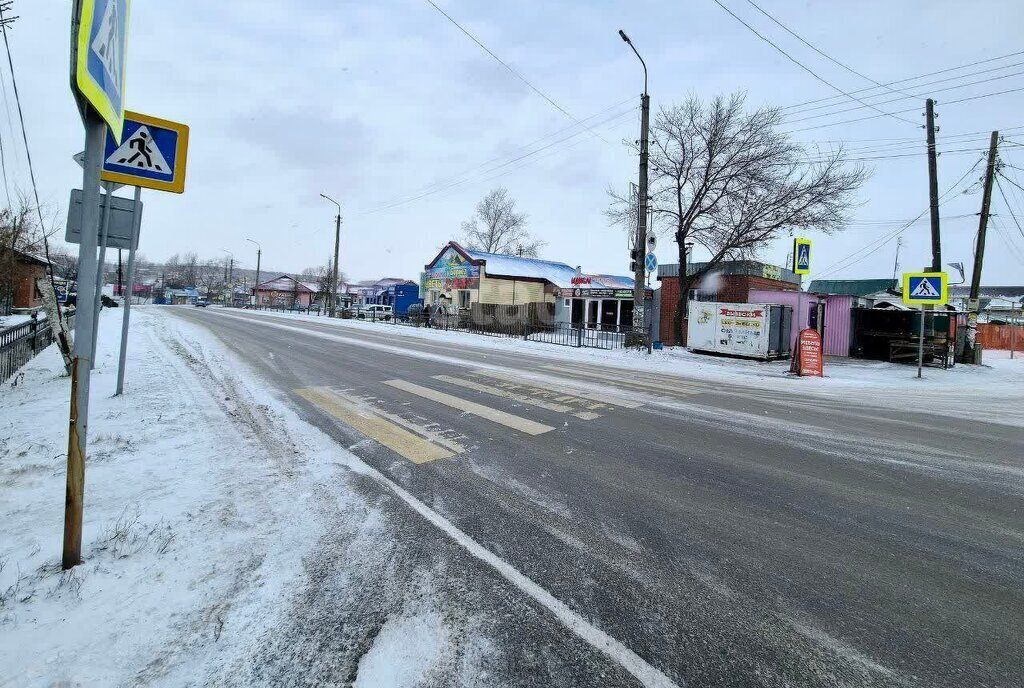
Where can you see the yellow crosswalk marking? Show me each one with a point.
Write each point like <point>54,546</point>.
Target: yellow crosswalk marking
<point>494,415</point>
<point>365,420</point>
<point>521,398</point>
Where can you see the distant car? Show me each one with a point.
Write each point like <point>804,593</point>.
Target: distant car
<point>202,303</point>
<point>375,311</point>
<point>296,307</point>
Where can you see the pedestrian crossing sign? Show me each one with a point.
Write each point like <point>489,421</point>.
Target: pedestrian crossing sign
<point>152,154</point>
<point>925,288</point>
<point>99,58</point>
<point>801,256</point>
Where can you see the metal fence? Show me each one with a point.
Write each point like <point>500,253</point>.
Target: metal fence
<point>564,334</point>
<point>18,344</point>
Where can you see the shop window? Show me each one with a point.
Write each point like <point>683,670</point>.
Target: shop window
<point>464,298</point>
<point>567,303</point>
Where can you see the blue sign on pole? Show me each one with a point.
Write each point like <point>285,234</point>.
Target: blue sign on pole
<point>151,154</point>
<point>651,262</point>
<point>100,60</point>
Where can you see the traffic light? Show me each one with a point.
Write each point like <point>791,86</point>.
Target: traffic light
<point>634,257</point>
<point>632,266</point>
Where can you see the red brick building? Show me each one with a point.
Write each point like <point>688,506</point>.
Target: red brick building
<point>729,282</point>
<point>18,289</point>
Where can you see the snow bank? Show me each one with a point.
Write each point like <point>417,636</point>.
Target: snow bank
<point>200,503</point>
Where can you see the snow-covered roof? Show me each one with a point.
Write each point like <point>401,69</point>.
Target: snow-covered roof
<point>611,282</point>
<point>499,265</point>
<point>284,283</point>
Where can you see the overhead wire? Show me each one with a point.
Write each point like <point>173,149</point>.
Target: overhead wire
<point>819,51</point>
<point>513,71</point>
<point>806,68</point>
<point>912,78</point>
<point>28,156</point>
<point>945,103</point>
<point>1008,206</point>
<point>845,262</point>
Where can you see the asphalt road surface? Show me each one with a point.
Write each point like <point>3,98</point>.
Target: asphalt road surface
<point>723,535</point>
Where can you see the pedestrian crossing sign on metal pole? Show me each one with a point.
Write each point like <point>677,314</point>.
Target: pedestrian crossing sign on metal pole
<point>925,288</point>
<point>152,154</point>
<point>801,256</point>
<point>99,57</point>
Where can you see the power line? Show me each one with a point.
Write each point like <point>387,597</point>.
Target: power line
<point>915,78</point>
<point>844,263</point>
<point>948,102</point>
<point>479,177</point>
<point>820,52</point>
<point>919,95</point>
<point>806,68</point>
<point>28,154</point>
<point>514,72</point>
<point>1008,207</point>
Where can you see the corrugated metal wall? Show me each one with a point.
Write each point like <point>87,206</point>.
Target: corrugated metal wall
<point>837,325</point>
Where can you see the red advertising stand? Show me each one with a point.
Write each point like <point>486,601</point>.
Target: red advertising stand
<point>807,360</point>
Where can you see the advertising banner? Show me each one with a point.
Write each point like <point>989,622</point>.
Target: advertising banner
<point>450,272</point>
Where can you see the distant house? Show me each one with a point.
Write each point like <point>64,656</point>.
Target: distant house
<point>18,287</point>
<point>285,291</point>
<point>188,295</point>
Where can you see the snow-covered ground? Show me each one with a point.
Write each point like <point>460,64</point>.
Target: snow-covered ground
<point>203,494</point>
<point>999,384</point>
<point>12,320</point>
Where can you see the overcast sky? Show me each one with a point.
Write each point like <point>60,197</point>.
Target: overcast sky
<point>377,103</point>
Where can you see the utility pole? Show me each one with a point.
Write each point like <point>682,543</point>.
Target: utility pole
<point>974,306</point>
<point>933,186</point>
<point>333,296</point>
<point>896,263</point>
<point>256,284</point>
<point>640,244</point>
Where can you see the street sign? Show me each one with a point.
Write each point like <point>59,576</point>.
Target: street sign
<point>120,229</point>
<point>652,243</point>
<point>100,58</point>
<point>152,154</point>
<point>801,256</point>
<point>925,288</point>
<point>651,262</point>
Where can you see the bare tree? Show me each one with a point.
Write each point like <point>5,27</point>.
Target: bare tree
<point>19,233</point>
<point>208,275</point>
<point>64,263</point>
<point>182,271</point>
<point>498,228</point>
<point>730,181</point>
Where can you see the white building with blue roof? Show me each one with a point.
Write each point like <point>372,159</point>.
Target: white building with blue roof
<point>461,277</point>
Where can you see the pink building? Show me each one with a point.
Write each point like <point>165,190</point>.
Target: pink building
<point>284,291</point>
<point>829,314</point>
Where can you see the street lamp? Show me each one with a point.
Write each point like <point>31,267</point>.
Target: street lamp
<point>333,296</point>
<point>639,246</point>
<point>259,254</point>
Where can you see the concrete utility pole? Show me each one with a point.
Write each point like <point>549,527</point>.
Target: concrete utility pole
<point>332,298</point>
<point>974,305</point>
<point>933,186</point>
<point>640,244</point>
<point>259,254</point>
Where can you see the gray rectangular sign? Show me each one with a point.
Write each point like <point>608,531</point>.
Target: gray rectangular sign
<point>120,229</point>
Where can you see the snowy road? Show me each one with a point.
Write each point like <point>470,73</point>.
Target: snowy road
<point>714,532</point>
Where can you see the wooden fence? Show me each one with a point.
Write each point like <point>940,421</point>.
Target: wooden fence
<point>1001,336</point>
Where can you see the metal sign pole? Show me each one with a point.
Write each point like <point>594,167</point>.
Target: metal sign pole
<point>137,225</point>
<point>920,345</point>
<point>99,272</point>
<point>78,426</point>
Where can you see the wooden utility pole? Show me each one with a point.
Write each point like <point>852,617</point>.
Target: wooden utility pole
<point>974,305</point>
<point>933,186</point>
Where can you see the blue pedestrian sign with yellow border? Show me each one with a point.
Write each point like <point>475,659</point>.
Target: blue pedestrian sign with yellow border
<point>925,288</point>
<point>101,45</point>
<point>801,256</point>
<point>152,154</point>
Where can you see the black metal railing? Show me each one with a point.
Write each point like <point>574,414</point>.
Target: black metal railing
<point>20,343</point>
<point>563,334</point>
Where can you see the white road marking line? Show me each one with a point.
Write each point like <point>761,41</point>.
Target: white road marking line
<point>647,674</point>
<point>521,398</point>
<point>629,379</point>
<point>526,425</point>
<point>559,388</point>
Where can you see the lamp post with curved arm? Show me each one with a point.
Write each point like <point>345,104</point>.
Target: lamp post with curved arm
<point>332,298</point>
